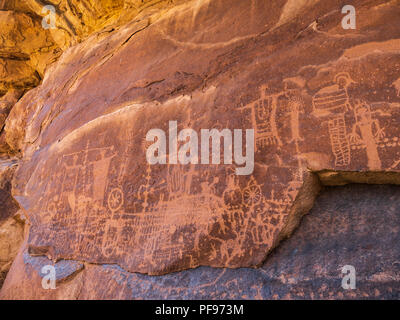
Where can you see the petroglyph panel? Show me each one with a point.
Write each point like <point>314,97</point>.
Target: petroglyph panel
<point>102,200</point>
<point>324,105</point>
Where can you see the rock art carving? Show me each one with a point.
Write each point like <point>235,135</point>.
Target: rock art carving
<point>327,221</point>
<point>332,103</point>
<point>296,106</point>
<point>84,180</point>
<point>167,213</point>
<point>370,133</point>
<point>264,118</point>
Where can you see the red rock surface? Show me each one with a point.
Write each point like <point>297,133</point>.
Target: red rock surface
<point>354,225</point>
<point>323,101</point>
<point>11,226</point>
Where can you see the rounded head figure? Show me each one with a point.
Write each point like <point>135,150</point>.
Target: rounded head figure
<point>343,80</point>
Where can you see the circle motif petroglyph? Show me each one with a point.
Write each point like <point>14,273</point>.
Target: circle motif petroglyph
<point>115,199</point>
<point>252,195</point>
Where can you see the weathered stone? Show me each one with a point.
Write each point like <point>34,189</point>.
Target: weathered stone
<point>27,269</point>
<point>11,237</point>
<point>76,19</point>
<point>6,103</point>
<point>11,230</point>
<point>86,165</point>
<point>25,50</point>
<point>354,225</point>
<point>323,101</point>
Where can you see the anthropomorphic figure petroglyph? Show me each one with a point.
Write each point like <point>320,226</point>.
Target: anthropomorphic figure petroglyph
<point>292,89</point>
<point>264,111</point>
<point>369,132</point>
<point>332,103</point>
<point>233,197</point>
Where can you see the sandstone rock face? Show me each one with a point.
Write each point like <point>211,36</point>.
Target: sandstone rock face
<point>11,229</point>
<point>8,205</point>
<point>323,103</point>
<point>6,103</point>
<point>25,49</point>
<point>75,20</point>
<point>347,226</point>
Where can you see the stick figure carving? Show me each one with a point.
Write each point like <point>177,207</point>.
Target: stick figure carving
<point>232,195</point>
<point>108,203</point>
<point>292,89</point>
<point>367,131</point>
